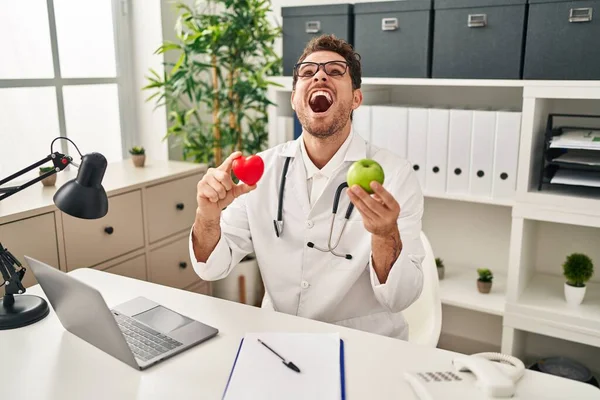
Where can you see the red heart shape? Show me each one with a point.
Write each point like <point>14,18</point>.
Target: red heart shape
<point>248,169</point>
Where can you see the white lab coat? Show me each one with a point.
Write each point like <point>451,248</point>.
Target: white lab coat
<point>309,283</point>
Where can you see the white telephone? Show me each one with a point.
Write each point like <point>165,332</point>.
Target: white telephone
<point>475,377</point>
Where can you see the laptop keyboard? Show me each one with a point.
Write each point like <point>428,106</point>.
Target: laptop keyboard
<point>145,342</point>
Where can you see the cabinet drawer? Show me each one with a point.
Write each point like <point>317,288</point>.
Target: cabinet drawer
<point>34,237</point>
<point>201,287</point>
<point>90,242</point>
<point>134,268</point>
<point>171,207</point>
<point>170,265</point>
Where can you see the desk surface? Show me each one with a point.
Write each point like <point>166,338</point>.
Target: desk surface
<point>43,361</point>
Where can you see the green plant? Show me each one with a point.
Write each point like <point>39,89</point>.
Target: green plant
<point>578,269</point>
<point>137,150</point>
<point>439,262</point>
<point>216,90</point>
<point>46,169</point>
<point>485,275</point>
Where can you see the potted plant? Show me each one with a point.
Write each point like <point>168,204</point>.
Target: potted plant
<point>439,263</point>
<point>216,78</point>
<point>578,269</point>
<point>49,181</point>
<point>138,155</point>
<point>484,282</point>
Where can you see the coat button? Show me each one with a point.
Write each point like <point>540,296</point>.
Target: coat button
<point>304,285</point>
<point>310,224</point>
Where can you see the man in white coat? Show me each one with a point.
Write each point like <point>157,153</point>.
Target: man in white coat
<point>375,271</point>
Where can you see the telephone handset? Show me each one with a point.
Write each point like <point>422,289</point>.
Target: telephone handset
<point>480,376</point>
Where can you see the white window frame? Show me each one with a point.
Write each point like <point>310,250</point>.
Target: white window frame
<point>123,79</point>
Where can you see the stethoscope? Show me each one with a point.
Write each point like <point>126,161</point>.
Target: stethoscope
<point>278,224</point>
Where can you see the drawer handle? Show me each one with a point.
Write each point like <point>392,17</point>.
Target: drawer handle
<point>477,20</point>
<point>580,14</point>
<point>109,230</point>
<point>183,264</point>
<point>389,24</point>
<point>180,206</point>
<point>313,26</point>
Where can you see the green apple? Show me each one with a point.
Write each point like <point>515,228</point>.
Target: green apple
<point>363,172</point>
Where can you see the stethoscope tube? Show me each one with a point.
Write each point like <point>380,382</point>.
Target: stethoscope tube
<point>278,223</point>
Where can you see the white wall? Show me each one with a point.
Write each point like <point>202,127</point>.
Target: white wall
<point>147,35</point>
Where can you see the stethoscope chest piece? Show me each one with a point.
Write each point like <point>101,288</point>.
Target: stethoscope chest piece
<point>278,223</point>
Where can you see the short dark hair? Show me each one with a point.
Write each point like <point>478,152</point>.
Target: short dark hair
<point>339,46</point>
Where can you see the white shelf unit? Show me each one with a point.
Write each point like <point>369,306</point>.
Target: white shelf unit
<point>524,239</point>
<point>458,289</point>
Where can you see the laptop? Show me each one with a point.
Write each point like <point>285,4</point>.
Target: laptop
<point>139,332</point>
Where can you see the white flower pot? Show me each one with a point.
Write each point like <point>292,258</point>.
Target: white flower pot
<point>574,295</point>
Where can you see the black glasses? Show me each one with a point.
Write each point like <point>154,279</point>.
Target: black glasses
<point>331,68</point>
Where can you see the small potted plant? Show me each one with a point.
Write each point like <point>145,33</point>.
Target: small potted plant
<point>439,263</point>
<point>49,181</point>
<point>578,269</point>
<point>138,155</point>
<point>484,282</point>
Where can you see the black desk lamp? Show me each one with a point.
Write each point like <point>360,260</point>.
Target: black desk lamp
<point>82,197</point>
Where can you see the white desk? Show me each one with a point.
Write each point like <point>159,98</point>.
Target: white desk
<point>43,361</point>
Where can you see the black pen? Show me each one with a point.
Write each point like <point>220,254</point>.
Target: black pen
<point>288,364</point>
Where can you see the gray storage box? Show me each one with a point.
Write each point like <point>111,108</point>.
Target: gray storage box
<point>563,40</point>
<point>301,24</point>
<point>479,39</point>
<point>394,38</point>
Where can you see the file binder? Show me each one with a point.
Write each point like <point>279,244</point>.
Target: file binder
<point>459,151</point>
<point>285,129</point>
<point>417,142</point>
<point>389,128</point>
<point>361,120</point>
<point>437,150</point>
<point>270,389</point>
<point>482,153</point>
<point>506,156</point>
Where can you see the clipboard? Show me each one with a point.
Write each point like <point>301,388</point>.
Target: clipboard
<point>276,363</point>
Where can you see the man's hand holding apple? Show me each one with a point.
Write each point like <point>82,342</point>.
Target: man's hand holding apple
<point>377,206</point>
<point>379,211</point>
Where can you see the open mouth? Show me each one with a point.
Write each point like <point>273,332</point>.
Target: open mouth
<point>320,101</point>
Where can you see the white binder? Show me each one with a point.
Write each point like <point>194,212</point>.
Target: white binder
<point>285,129</point>
<point>459,151</point>
<point>508,132</point>
<point>361,122</point>
<point>417,141</point>
<point>389,128</point>
<point>482,153</point>
<point>437,150</point>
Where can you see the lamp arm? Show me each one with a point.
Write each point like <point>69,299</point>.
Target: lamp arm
<point>59,160</point>
<point>12,278</point>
